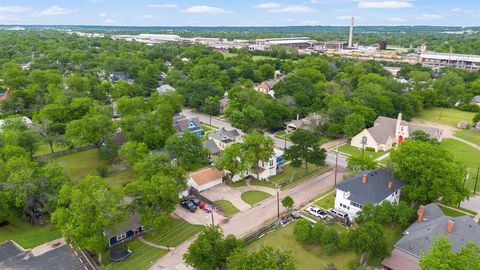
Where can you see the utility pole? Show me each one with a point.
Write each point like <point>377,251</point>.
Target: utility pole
<point>476,180</point>
<point>336,166</point>
<point>278,205</point>
<point>213,223</point>
<point>285,140</point>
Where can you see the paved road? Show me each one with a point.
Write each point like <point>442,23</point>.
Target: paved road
<point>279,143</point>
<point>247,221</point>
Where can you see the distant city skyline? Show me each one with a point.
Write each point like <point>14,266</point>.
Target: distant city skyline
<point>240,12</point>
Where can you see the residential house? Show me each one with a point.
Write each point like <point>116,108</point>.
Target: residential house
<point>475,100</point>
<point>431,224</point>
<point>219,140</point>
<point>270,167</point>
<point>311,120</point>
<point>388,132</point>
<point>373,186</point>
<point>204,179</point>
<point>165,88</point>
<point>117,76</point>
<point>126,231</point>
<point>25,120</point>
<point>182,123</point>
<point>266,87</point>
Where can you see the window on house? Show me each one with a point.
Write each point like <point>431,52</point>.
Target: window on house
<point>271,163</point>
<point>121,236</point>
<point>356,204</point>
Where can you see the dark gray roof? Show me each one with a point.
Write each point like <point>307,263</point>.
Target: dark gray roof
<point>212,147</point>
<point>418,237</point>
<point>60,258</point>
<point>181,122</point>
<point>132,222</point>
<point>374,190</point>
<point>224,135</point>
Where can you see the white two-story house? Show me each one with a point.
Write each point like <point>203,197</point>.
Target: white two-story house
<point>373,186</point>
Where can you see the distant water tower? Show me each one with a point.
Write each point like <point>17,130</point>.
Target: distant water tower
<point>350,36</point>
<point>382,45</point>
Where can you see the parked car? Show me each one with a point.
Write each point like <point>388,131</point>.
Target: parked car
<point>323,214</point>
<point>194,200</point>
<point>338,213</point>
<point>313,211</point>
<point>189,205</point>
<point>295,215</point>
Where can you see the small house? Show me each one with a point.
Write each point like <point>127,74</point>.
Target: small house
<point>126,231</point>
<point>165,88</point>
<point>182,123</point>
<point>431,224</point>
<point>204,179</point>
<point>475,100</point>
<point>219,140</point>
<point>372,186</point>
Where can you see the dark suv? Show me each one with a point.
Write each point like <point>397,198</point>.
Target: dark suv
<point>189,205</point>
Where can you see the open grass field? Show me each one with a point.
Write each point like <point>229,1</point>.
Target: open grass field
<point>466,154</point>
<point>254,196</point>
<point>28,236</point>
<point>292,175</point>
<point>468,135</point>
<point>444,116</point>
<point>142,257</point>
<point>254,57</point>
<point>120,178</point>
<point>44,149</point>
<point>308,257</point>
<point>355,151</point>
<point>228,207</point>
<point>173,235</point>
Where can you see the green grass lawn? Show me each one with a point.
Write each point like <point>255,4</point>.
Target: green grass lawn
<point>254,196</point>
<point>392,234</point>
<point>142,257</point>
<point>466,154</point>
<point>81,164</point>
<point>254,57</point>
<point>28,236</point>
<point>206,127</point>
<point>307,257</point>
<point>240,183</point>
<point>355,151</point>
<point>261,184</point>
<point>327,202</point>
<point>228,207</point>
<point>468,135</point>
<point>444,116</point>
<point>174,234</point>
<point>292,175</point>
<point>44,149</point>
<point>282,134</point>
<point>451,212</point>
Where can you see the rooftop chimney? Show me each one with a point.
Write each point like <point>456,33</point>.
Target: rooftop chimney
<point>350,36</point>
<point>364,179</point>
<point>390,184</point>
<point>450,225</point>
<point>420,212</point>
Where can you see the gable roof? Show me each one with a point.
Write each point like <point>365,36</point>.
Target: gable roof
<point>132,222</point>
<point>164,88</point>
<point>206,175</point>
<point>224,135</point>
<point>374,190</point>
<point>182,123</point>
<point>211,146</point>
<point>419,236</point>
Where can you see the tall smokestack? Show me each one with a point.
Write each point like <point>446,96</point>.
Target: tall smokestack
<point>350,36</point>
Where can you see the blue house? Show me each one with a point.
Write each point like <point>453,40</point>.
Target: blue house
<point>129,230</point>
<point>181,123</point>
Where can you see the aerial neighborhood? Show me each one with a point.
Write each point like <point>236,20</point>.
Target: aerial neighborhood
<point>128,143</point>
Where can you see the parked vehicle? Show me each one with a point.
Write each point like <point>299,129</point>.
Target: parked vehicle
<point>313,211</point>
<point>189,205</point>
<point>295,215</point>
<point>338,213</point>
<point>194,200</point>
<point>323,214</point>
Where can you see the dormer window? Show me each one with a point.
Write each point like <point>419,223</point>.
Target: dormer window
<point>346,195</point>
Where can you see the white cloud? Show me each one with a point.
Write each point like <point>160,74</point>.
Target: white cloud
<point>204,10</point>
<point>456,9</point>
<point>269,5</point>
<point>109,21</point>
<point>163,5</point>
<point>148,16</point>
<point>13,9</point>
<point>103,14</point>
<point>429,17</point>
<point>395,19</point>
<point>292,9</point>
<point>55,10</point>
<point>10,18</point>
<point>385,4</point>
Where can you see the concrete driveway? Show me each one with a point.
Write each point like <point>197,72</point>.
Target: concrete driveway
<point>233,195</point>
<point>200,217</point>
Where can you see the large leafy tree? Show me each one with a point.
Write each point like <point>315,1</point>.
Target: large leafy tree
<point>441,257</point>
<point>430,173</point>
<point>86,209</point>
<point>354,123</point>
<point>210,250</point>
<point>256,148</point>
<point>306,149</point>
<point>132,152</point>
<point>369,239</point>
<point>356,164</point>
<point>232,161</point>
<point>95,129</point>
<point>265,257</point>
<point>187,148</point>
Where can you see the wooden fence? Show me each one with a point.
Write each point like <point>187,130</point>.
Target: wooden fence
<point>45,157</point>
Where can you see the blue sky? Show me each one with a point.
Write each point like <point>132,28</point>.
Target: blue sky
<point>240,12</point>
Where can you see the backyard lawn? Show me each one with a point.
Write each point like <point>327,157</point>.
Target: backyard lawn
<point>355,151</point>
<point>466,154</point>
<point>228,207</point>
<point>444,116</point>
<point>295,175</point>
<point>306,256</point>
<point>468,135</point>
<point>143,256</point>
<point>28,236</point>
<point>254,196</point>
<point>44,149</point>
<point>174,234</point>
